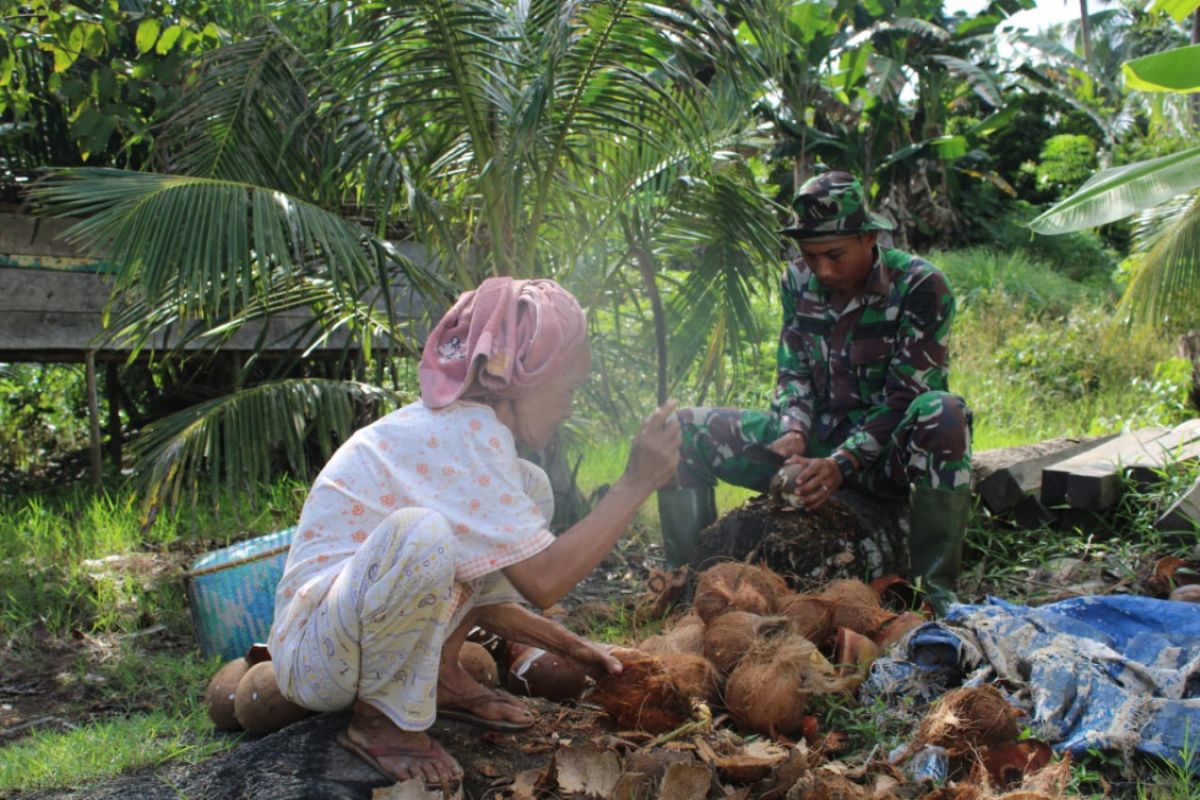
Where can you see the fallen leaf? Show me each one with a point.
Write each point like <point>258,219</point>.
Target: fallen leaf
<point>586,770</point>
<point>415,789</point>
<point>524,785</point>
<point>685,781</point>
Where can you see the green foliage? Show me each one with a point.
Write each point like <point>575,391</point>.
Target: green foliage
<point>43,414</point>
<point>1066,161</point>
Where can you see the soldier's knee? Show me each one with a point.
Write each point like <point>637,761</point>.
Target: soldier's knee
<point>949,409</point>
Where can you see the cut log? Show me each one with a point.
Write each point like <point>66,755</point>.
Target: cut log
<point>1184,513</point>
<point>1004,478</point>
<point>1181,443</point>
<point>1097,461</point>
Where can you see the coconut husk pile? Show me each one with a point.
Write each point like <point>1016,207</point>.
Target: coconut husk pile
<point>734,586</point>
<point>769,690</point>
<point>978,729</point>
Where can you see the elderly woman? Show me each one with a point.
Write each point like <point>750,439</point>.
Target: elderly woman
<point>426,523</point>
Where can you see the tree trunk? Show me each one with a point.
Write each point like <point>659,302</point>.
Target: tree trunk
<point>1085,32</point>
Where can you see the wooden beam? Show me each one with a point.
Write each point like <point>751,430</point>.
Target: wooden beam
<point>1181,443</point>
<point>1104,459</point>
<point>1005,477</point>
<point>112,391</point>
<point>1184,513</point>
<point>93,418</point>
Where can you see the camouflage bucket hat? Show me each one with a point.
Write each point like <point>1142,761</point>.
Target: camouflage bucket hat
<point>830,206</point>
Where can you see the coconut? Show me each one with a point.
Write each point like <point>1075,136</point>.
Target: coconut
<point>643,696</point>
<point>1188,593</point>
<point>219,695</point>
<point>731,635</point>
<point>259,705</point>
<point>479,664</point>
<point>968,719</point>
<point>696,675</point>
<point>811,616</point>
<point>768,691</point>
<point>687,636</point>
<point>895,630</point>
<point>538,673</point>
<point>855,606</point>
<point>734,586</point>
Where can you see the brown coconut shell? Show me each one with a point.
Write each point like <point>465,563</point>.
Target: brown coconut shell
<point>734,586</point>
<point>479,664</point>
<point>811,616</point>
<point>643,696</point>
<point>220,694</point>
<point>696,675</point>
<point>537,673</point>
<point>259,705</point>
<point>768,691</point>
<point>966,720</point>
<point>731,635</point>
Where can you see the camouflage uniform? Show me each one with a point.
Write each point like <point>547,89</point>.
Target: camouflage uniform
<point>868,379</point>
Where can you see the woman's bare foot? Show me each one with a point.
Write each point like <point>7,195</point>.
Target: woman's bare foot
<point>397,753</point>
<point>457,690</point>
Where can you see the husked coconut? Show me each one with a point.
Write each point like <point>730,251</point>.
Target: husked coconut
<point>811,616</point>
<point>731,635</point>
<point>538,673</point>
<point>768,691</point>
<point>643,696</point>
<point>219,695</point>
<point>855,606</point>
<point>968,719</point>
<point>479,664</point>
<point>259,705</point>
<point>696,675</point>
<point>734,586</point>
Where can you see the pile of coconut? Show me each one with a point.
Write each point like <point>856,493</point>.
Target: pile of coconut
<point>755,648</point>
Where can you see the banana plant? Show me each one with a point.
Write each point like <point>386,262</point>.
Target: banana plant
<point>1165,290</point>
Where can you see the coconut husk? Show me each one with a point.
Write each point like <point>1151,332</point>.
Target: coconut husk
<point>731,635</point>
<point>895,630</point>
<point>824,784</point>
<point>687,635</point>
<point>220,694</point>
<point>479,664</point>
<point>966,720</point>
<point>811,616</point>
<point>643,696</point>
<point>752,762</point>
<point>768,692</point>
<point>734,586</point>
<point>259,705</point>
<point>696,675</point>
<point>850,590</point>
<point>853,654</point>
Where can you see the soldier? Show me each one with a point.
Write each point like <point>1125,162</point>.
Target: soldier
<point>861,397</point>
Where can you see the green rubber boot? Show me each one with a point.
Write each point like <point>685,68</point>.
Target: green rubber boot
<point>936,523</point>
<point>683,513</point>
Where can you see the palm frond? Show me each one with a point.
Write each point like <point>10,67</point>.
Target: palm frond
<point>1165,290</point>
<point>1121,191</point>
<point>244,437</point>
<point>982,81</point>
<point>220,240</point>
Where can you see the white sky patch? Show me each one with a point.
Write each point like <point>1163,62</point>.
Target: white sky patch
<point>1047,12</point>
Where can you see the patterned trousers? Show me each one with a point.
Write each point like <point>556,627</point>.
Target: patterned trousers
<point>378,634</point>
<point>931,447</point>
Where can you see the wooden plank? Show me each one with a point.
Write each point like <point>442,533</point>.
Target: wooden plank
<point>1005,477</point>
<point>1098,486</point>
<point>1106,457</point>
<point>93,419</point>
<point>1184,513</point>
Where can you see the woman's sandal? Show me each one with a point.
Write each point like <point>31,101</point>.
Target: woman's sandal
<point>372,753</point>
<point>460,713</point>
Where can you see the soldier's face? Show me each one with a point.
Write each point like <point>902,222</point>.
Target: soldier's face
<point>841,265</point>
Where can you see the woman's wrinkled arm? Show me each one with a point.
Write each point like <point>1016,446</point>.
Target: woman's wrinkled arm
<point>543,579</point>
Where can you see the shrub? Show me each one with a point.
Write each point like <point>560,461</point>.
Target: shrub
<point>1066,161</point>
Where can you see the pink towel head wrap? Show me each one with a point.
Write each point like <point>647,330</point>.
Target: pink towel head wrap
<point>504,339</point>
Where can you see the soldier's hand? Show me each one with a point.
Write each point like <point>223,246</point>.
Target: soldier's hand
<point>808,482</point>
<point>791,445</point>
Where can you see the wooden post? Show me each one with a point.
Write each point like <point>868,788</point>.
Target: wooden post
<point>93,415</point>
<point>112,389</point>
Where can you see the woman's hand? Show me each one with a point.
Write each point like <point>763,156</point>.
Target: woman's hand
<point>654,454</point>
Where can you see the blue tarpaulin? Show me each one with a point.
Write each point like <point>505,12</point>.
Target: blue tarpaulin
<point>1111,673</point>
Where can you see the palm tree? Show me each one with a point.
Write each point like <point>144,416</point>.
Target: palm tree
<point>569,140</point>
